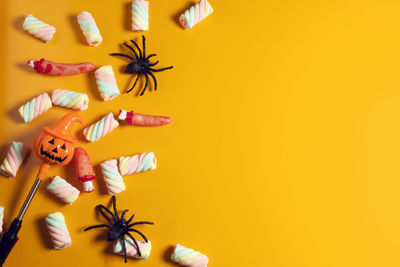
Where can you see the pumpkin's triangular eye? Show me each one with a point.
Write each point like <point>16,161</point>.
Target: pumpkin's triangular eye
<point>51,141</point>
<point>63,146</point>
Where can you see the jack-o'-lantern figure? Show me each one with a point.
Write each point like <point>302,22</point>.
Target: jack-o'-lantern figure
<point>55,144</point>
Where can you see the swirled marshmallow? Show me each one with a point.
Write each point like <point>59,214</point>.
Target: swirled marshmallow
<point>63,190</point>
<point>131,250</point>
<point>1,219</point>
<point>70,99</point>
<point>188,257</point>
<point>15,156</point>
<point>100,128</point>
<point>140,15</point>
<point>137,163</point>
<point>89,28</point>
<point>38,28</point>
<point>195,14</point>
<point>58,231</point>
<point>112,178</point>
<point>106,83</point>
<point>35,107</point>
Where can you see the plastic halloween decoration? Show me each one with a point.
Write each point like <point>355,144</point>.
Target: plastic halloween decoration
<point>59,69</point>
<point>118,226</point>
<point>54,145</point>
<point>138,119</point>
<point>141,65</point>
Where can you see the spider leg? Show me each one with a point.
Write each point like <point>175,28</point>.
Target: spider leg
<point>133,86</point>
<point>123,214</point>
<point>124,247</point>
<point>144,45</point>
<point>153,64</point>
<point>130,219</point>
<point>114,202</point>
<point>137,47</point>
<point>145,85</point>
<point>154,80</point>
<point>137,223</point>
<point>97,226</point>
<point>155,70</point>
<point>100,207</point>
<point>122,55</point>
<point>139,233</point>
<point>131,48</point>
<point>136,244</point>
<point>151,55</point>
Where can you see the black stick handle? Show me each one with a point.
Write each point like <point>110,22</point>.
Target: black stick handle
<point>9,240</point>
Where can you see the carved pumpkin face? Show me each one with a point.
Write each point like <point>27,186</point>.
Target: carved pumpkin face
<point>53,150</point>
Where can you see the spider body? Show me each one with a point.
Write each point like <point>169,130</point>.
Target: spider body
<point>118,226</point>
<point>141,64</point>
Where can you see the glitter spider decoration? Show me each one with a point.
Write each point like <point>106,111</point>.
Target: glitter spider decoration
<point>119,227</point>
<point>141,65</point>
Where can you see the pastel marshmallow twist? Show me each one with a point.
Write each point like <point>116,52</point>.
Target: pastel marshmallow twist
<point>63,190</point>
<point>106,82</point>
<point>15,156</point>
<point>58,231</point>
<point>89,28</point>
<point>70,99</point>
<point>99,129</point>
<point>137,163</point>
<point>38,28</point>
<point>35,107</point>
<point>1,219</point>
<point>140,15</point>
<point>195,14</point>
<point>112,178</point>
<point>131,250</point>
<point>188,257</point>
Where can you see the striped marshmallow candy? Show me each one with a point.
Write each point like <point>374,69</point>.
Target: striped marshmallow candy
<point>63,190</point>
<point>140,15</point>
<point>89,28</point>
<point>131,250</point>
<point>137,163</point>
<point>35,107</point>
<point>195,14</point>
<point>112,178</point>
<point>188,257</point>
<point>38,28</point>
<point>100,128</point>
<point>70,99</point>
<point>58,230</point>
<point>15,156</point>
<point>106,83</point>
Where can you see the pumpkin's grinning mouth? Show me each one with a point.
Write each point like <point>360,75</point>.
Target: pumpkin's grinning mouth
<point>49,156</point>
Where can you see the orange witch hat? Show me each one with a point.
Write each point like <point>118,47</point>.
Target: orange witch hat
<point>62,129</point>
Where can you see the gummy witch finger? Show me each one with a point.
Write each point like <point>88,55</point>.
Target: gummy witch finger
<point>137,163</point>
<point>15,156</point>
<point>38,28</point>
<point>140,15</point>
<point>195,14</point>
<point>138,119</point>
<point>112,178</point>
<point>70,99</point>
<point>58,231</point>
<point>99,129</point>
<point>89,28</point>
<point>188,257</point>
<point>35,107</point>
<point>1,219</point>
<point>84,169</point>
<point>63,190</point>
<point>59,69</point>
<point>131,249</point>
<point>119,227</point>
<point>106,83</point>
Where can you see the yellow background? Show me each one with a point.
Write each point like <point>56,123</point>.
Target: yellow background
<point>285,142</point>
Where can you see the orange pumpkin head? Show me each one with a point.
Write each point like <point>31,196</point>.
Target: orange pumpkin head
<point>54,145</point>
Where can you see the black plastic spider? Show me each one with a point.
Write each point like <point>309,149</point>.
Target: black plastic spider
<point>141,65</point>
<point>119,227</point>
